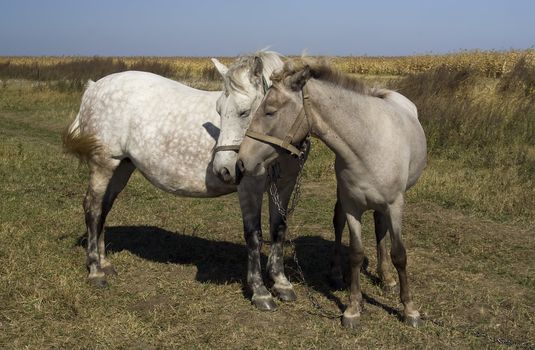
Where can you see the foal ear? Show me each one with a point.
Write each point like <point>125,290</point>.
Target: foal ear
<point>299,79</point>
<point>258,67</point>
<point>221,68</point>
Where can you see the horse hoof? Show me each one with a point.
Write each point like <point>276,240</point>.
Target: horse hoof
<point>337,283</point>
<point>264,303</point>
<point>413,321</point>
<point>109,270</point>
<point>99,282</point>
<point>286,294</point>
<point>350,322</point>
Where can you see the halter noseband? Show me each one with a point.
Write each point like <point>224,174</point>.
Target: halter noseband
<point>236,148</point>
<point>286,143</point>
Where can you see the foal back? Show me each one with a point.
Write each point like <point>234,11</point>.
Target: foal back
<point>412,133</point>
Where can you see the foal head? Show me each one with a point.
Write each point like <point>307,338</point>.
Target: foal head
<point>280,113</point>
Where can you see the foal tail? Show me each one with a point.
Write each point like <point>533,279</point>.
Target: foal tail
<point>82,145</point>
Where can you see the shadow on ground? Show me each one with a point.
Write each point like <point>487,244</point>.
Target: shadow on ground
<point>316,271</point>
<point>224,262</point>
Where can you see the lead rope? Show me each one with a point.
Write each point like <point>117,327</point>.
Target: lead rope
<point>286,213</point>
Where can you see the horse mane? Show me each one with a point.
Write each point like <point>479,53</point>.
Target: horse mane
<point>238,73</point>
<point>320,69</point>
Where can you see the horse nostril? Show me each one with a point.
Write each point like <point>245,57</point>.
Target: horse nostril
<point>225,175</point>
<point>241,166</point>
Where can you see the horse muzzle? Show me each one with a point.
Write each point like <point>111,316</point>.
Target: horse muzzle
<point>225,175</point>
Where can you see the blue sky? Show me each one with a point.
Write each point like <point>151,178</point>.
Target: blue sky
<point>229,28</point>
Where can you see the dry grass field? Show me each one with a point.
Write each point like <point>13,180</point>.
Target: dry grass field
<point>469,226</point>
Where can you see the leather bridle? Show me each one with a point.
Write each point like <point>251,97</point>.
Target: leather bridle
<point>287,142</point>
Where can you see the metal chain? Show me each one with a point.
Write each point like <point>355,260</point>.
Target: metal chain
<point>286,213</point>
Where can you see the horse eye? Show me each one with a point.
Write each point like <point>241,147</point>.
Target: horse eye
<point>245,113</point>
<point>270,113</point>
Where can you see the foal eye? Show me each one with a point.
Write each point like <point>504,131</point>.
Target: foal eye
<point>245,113</point>
<point>270,112</point>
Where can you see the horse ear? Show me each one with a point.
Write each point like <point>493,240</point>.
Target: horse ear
<point>299,79</point>
<point>221,68</point>
<point>258,67</point>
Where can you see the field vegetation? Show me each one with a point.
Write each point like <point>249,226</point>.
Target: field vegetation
<point>469,224</point>
<point>492,64</point>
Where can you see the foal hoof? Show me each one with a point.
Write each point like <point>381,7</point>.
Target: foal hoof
<point>109,270</point>
<point>413,321</point>
<point>350,322</point>
<point>99,282</point>
<point>264,303</point>
<point>286,294</point>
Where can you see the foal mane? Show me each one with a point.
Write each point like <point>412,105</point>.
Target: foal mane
<point>320,69</point>
<point>244,65</point>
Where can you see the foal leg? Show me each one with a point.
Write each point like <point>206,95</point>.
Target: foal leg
<point>278,229</point>
<point>356,258</point>
<point>250,192</point>
<point>383,271</point>
<point>118,181</point>
<point>339,221</point>
<point>399,257</point>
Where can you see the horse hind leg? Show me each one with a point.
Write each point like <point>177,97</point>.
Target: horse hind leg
<point>117,183</point>
<point>105,183</point>
<point>381,229</point>
<point>399,257</point>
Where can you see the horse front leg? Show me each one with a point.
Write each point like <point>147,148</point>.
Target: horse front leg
<point>352,313</point>
<point>278,229</point>
<point>250,192</point>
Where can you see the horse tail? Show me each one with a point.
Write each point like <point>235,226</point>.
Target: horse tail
<point>84,146</point>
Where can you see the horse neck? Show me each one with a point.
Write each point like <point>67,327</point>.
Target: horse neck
<point>335,118</point>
